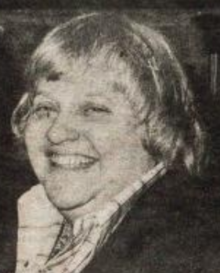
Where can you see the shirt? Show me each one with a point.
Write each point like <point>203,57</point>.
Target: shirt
<point>48,243</point>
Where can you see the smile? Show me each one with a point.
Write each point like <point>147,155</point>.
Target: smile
<point>72,162</point>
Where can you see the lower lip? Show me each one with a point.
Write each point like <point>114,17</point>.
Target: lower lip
<point>84,165</point>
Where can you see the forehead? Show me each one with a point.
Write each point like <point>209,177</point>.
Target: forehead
<point>96,73</point>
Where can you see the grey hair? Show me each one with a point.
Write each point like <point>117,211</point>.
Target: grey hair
<point>173,128</point>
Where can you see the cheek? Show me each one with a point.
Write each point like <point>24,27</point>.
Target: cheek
<point>115,141</point>
<point>35,134</point>
<point>35,142</point>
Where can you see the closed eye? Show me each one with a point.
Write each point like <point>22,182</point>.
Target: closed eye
<point>44,111</point>
<point>91,110</point>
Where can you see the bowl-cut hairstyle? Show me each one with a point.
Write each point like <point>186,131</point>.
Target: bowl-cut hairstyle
<point>173,129</point>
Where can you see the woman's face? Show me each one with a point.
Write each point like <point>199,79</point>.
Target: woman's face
<point>83,137</point>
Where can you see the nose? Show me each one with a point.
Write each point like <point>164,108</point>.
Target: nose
<point>62,130</point>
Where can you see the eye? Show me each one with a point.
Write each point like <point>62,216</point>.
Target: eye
<point>44,111</point>
<point>95,110</point>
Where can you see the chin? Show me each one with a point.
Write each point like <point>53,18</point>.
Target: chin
<point>62,204</point>
<point>66,201</point>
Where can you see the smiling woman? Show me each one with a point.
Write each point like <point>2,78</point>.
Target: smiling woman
<point>84,130</point>
<point>108,111</point>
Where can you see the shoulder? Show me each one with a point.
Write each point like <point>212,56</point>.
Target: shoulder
<point>166,231</point>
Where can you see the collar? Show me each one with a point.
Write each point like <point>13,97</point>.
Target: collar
<point>40,224</point>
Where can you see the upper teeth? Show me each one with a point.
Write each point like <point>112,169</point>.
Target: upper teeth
<point>73,161</point>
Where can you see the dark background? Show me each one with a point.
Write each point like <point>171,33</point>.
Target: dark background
<point>194,31</point>
<point>118,4</point>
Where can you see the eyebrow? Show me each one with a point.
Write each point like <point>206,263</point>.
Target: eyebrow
<point>116,87</point>
<point>43,96</point>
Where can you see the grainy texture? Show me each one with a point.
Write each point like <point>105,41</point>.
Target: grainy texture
<point>182,226</point>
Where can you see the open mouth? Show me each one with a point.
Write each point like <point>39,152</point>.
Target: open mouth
<point>73,161</point>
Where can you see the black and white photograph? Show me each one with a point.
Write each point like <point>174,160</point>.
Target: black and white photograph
<point>109,137</point>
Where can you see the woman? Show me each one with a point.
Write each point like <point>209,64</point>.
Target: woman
<point>108,111</point>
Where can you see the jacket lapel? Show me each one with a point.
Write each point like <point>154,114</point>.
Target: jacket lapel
<point>124,248</point>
